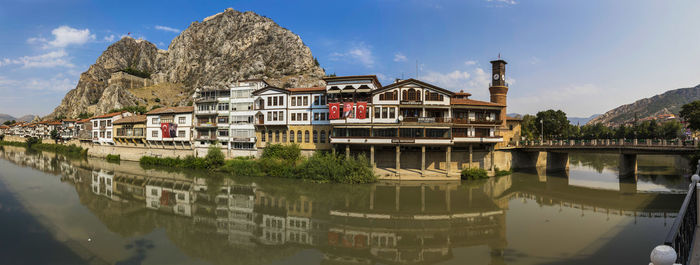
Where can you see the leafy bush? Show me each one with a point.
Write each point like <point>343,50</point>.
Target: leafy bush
<point>324,166</point>
<point>136,72</point>
<point>215,158</point>
<point>474,173</point>
<point>32,141</point>
<point>242,167</point>
<point>500,173</point>
<point>113,158</point>
<point>290,152</point>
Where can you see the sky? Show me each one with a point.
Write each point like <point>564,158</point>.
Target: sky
<point>581,56</point>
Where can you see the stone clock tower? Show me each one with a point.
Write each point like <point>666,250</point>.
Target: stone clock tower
<point>499,88</point>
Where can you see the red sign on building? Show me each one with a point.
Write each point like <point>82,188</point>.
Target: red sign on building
<point>169,130</point>
<point>361,110</point>
<point>333,111</point>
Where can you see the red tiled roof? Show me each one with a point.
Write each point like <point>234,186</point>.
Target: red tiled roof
<point>462,94</point>
<point>463,101</point>
<point>54,123</point>
<point>306,89</point>
<point>4,127</point>
<point>164,110</point>
<point>108,115</point>
<point>131,119</point>
<point>84,120</point>
<point>70,120</point>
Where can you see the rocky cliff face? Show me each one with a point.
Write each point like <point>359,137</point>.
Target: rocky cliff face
<point>226,47</point>
<point>669,102</point>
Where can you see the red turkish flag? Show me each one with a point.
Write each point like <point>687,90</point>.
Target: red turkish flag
<point>361,110</point>
<point>334,111</point>
<point>165,129</point>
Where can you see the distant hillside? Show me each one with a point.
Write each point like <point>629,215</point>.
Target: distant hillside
<point>6,117</point>
<point>669,102</point>
<point>582,121</point>
<point>27,118</point>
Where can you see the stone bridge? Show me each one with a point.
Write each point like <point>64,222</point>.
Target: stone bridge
<point>554,154</point>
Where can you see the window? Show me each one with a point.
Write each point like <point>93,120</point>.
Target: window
<point>94,135</point>
<point>281,99</point>
<point>269,102</point>
<point>291,136</point>
<point>299,136</point>
<point>277,136</point>
<point>284,136</point>
<point>392,113</point>
<point>306,136</point>
<point>180,133</point>
<point>377,112</point>
<point>306,116</point>
<point>274,116</point>
<point>315,136</point>
<point>274,100</point>
<point>316,100</point>
<point>316,116</point>
<point>94,124</point>
<point>180,196</point>
<point>109,123</point>
<point>323,137</point>
<point>223,106</point>
<point>181,120</point>
<point>306,100</point>
<point>269,135</point>
<point>154,192</point>
<point>220,119</point>
<point>109,134</point>
<point>384,113</point>
<point>223,132</point>
<point>154,134</point>
<point>294,101</point>
<point>155,120</point>
<point>262,138</point>
<point>294,117</point>
<point>269,116</point>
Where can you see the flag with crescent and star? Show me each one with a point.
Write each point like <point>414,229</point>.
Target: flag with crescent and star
<point>347,110</point>
<point>333,111</point>
<point>165,130</point>
<point>361,110</point>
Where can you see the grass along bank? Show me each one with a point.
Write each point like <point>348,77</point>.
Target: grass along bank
<point>278,161</point>
<point>36,144</point>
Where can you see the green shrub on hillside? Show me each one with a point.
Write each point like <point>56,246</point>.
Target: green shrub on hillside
<point>290,152</point>
<point>113,158</point>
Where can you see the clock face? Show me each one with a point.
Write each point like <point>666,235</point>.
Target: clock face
<point>495,77</point>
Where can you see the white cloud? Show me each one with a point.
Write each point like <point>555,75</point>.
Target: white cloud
<point>58,58</point>
<point>399,57</point>
<point>36,40</point>
<point>56,83</point>
<point>535,60</point>
<point>504,2</point>
<point>470,63</point>
<point>109,38</point>
<point>359,53</point>
<point>65,35</point>
<point>165,28</point>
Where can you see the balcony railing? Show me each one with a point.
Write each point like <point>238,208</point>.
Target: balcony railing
<point>205,99</point>
<point>427,119</point>
<point>206,125</point>
<point>205,137</point>
<point>476,121</point>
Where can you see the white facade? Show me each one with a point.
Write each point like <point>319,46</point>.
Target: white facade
<point>182,119</point>
<point>102,127</point>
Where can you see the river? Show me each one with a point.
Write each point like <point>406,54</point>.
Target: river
<point>56,210</point>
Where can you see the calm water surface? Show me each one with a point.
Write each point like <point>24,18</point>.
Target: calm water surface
<point>55,210</point>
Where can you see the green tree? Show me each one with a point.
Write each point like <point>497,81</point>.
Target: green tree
<point>84,115</point>
<point>8,122</point>
<point>32,141</point>
<point>528,127</point>
<point>215,157</point>
<point>671,130</point>
<point>55,135</point>
<point>691,114</point>
<point>554,123</point>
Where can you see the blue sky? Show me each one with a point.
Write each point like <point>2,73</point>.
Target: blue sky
<point>583,57</point>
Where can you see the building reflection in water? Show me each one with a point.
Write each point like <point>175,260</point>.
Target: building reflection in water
<point>406,223</point>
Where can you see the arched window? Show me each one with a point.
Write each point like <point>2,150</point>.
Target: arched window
<point>404,95</point>
<point>411,94</point>
<point>418,95</point>
<point>323,137</point>
<point>269,136</point>
<point>306,136</point>
<point>277,136</point>
<point>315,136</point>
<point>291,136</point>
<point>263,136</point>
<point>299,137</point>
<point>284,136</point>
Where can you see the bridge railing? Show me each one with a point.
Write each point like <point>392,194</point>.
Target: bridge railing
<point>613,142</point>
<point>678,245</point>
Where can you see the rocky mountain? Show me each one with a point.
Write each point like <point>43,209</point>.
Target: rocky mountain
<point>25,118</point>
<point>221,49</point>
<point>669,102</point>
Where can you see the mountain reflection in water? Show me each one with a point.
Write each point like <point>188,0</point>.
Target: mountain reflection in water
<point>206,218</point>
